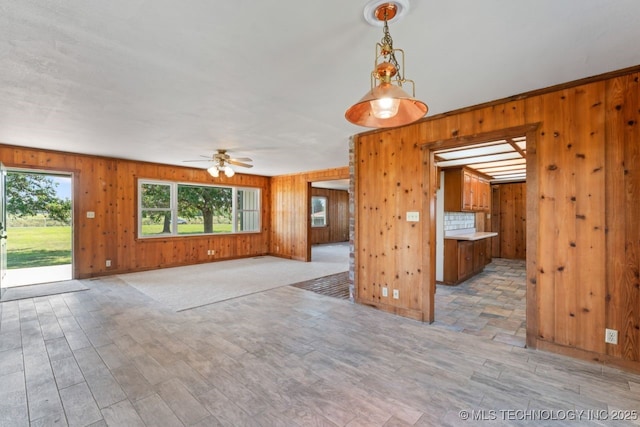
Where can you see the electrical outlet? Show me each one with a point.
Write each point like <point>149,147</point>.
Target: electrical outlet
<point>107,263</point>
<point>385,292</point>
<point>396,294</point>
<point>413,216</point>
<point>611,336</point>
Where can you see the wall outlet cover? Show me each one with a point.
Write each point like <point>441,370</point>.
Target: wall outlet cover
<point>413,216</point>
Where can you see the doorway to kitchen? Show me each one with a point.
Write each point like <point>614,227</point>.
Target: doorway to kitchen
<point>39,227</point>
<point>477,289</point>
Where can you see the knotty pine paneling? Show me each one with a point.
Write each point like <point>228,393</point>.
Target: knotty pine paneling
<point>495,221</point>
<point>389,247</point>
<point>582,216</point>
<point>622,199</point>
<point>337,229</point>
<point>108,187</point>
<point>510,220</point>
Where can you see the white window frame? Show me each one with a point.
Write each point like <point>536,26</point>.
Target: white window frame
<point>326,213</point>
<point>173,191</point>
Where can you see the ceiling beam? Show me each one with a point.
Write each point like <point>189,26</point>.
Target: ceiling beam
<point>516,147</point>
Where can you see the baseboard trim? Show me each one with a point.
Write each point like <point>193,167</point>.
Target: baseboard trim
<point>603,359</point>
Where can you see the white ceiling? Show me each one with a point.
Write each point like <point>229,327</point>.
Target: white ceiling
<point>164,81</point>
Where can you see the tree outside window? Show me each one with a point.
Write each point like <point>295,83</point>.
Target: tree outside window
<point>170,208</point>
<point>318,211</point>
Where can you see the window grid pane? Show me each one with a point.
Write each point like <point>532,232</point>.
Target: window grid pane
<point>176,209</point>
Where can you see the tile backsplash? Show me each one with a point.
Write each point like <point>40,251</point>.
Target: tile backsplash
<point>459,220</point>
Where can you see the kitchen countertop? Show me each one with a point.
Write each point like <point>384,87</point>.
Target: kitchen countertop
<point>477,235</point>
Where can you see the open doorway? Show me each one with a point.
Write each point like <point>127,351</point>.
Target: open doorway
<point>39,208</point>
<point>480,252</point>
<point>329,230</point>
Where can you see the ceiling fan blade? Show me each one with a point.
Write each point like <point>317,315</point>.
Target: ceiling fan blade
<point>244,165</point>
<point>241,159</point>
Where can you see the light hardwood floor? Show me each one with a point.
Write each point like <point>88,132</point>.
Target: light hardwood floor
<point>284,357</point>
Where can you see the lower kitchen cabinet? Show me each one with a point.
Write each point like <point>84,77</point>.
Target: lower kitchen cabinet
<point>463,259</point>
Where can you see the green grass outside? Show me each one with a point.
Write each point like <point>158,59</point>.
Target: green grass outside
<point>43,246</point>
<point>151,229</point>
<point>38,246</point>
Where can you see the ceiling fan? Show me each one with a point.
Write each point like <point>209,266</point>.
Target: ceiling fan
<point>222,163</point>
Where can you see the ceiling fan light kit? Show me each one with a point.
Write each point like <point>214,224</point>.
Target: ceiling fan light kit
<point>386,104</point>
<point>222,163</point>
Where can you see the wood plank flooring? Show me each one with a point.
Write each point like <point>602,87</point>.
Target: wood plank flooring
<point>284,357</point>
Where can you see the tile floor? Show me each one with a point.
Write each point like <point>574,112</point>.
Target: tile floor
<point>491,304</point>
<point>284,357</point>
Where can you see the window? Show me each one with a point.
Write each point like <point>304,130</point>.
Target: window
<point>318,211</point>
<point>248,210</point>
<point>175,209</point>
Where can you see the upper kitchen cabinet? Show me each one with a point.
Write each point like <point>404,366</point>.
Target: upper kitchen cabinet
<point>466,191</point>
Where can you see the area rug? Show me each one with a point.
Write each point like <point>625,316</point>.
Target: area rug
<point>41,290</point>
<point>183,288</point>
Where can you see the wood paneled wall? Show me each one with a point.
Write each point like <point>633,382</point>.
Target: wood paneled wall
<point>337,229</point>
<point>290,216</point>
<point>389,249</point>
<point>108,187</point>
<point>510,220</point>
<point>583,193</point>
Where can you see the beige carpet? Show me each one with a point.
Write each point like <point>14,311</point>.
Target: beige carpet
<point>42,290</point>
<point>183,288</point>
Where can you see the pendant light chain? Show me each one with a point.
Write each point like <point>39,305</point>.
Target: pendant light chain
<point>386,104</point>
<point>387,46</point>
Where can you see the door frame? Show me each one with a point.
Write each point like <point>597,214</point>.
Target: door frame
<point>72,177</point>
<point>429,173</point>
<point>3,228</point>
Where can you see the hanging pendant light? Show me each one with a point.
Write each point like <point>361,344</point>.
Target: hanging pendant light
<point>387,104</point>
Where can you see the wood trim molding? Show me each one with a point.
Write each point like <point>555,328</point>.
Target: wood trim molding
<point>577,353</point>
<point>429,207</point>
<point>532,237</point>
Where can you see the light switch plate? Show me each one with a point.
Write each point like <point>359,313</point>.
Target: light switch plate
<point>91,214</point>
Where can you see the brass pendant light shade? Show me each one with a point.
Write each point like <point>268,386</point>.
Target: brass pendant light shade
<point>408,108</point>
<point>386,104</point>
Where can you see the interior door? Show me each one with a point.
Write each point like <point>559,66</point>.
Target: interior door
<point>3,229</point>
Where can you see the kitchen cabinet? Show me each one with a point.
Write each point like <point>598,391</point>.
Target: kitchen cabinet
<point>463,259</point>
<point>466,191</point>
